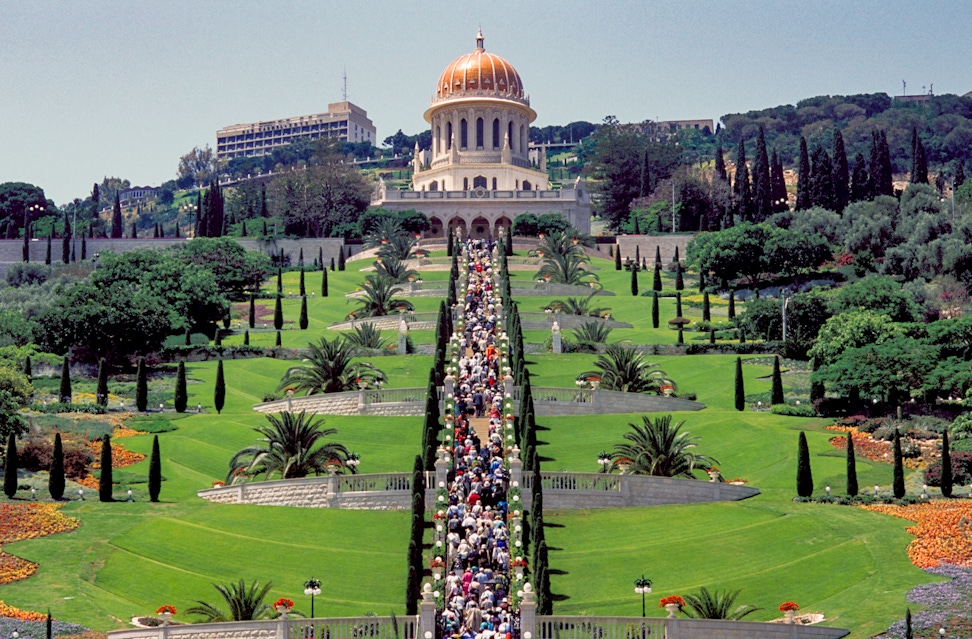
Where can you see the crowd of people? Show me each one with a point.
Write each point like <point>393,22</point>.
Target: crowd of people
<point>476,593</point>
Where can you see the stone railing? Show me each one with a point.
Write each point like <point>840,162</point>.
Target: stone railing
<point>537,289</point>
<point>568,491</point>
<point>386,402</point>
<point>558,627</point>
<point>379,491</point>
<point>415,321</point>
<point>544,321</point>
<point>551,401</point>
<point>331,628</point>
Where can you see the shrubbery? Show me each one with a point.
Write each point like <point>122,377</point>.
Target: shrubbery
<point>961,470</point>
<point>792,411</point>
<point>36,455</point>
<point>63,407</point>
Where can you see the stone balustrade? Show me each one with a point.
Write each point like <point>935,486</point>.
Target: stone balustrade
<point>292,628</point>
<point>561,627</point>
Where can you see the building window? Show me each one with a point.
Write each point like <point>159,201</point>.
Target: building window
<point>480,134</point>
<point>448,135</point>
<point>526,185</point>
<point>434,186</point>
<point>463,134</point>
<point>496,137</point>
<point>479,181</point>
<point>465,182</point>
<point>494,184</point>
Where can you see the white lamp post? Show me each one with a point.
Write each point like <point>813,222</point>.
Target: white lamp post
<point>642,587</point>
<point>312,587</point>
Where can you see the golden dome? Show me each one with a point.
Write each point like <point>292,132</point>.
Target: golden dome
<point>480,74</point>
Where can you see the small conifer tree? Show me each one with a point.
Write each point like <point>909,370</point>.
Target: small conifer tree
<point>303,289</point>
<point>678,304</point>
<point>634,280</point>
<point>141,386</point>
<point>65,390</point>
<point>804,474</point>
<point>332,264</point>
<point>155,471</point>
<point>654,309</point>
<point>851,468</point>
<point>776,394</point>
<point>341,259</point>
<point>656,283</point>
<point>55,483</point>
<point>279,280</point>
<point>712,336</point>
<point>679,280</point>
<point>279,342</point>
<point>303,311</point>
<point>246,338</point>
<point>732,304</point>
<point>219,391</point>
<point>105,478</point>
<point>181,398</point>
<point>10,465</point>
<point>617,259</point>
<point>101,394</point>
<point>898,484</point>
<point>740,390</point>
<point>252,318</point>
<point>324,284</point>
<point>27,369</point>
<point>278,318</point>
<point>946,466</point>
<point>320,257</point>
<point>706,308</point>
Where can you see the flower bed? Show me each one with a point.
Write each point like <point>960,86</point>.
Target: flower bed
<point>942,530</point>
<point>27,521</point>
<point>881,451</point>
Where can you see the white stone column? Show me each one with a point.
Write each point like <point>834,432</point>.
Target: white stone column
<point>558,345</point>
<point>528,613</point>
<point>427,613</point>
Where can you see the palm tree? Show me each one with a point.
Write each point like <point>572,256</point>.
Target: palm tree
<point>401,246</point>
<point>659,449</point>
<point>288,450</point>
<point>245,603</point>
<point>330,370</point>
<point>592,333</point>
<point>577,306</point>
<point>365,336</point>
<point>564,258</point>
<point>395,269</point>
<point>716,605</point>
<point>624,368</point>
<point>379,291</point>
<point>382,232</point>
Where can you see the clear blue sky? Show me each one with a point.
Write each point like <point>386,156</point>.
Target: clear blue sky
<point>116,88</point>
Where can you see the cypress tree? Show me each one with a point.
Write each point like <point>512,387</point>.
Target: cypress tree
<point>778,185</point>
<point>49,625</point>
<point>84,248</point>
<point>959,178</point>
<point>654,309</point>
<point>252,316</point>
<point>656,281</point>
<point>706,309</point>
<point>822,180</point>
<point>324,283</point>
<point>637,249</point>
<point>860,188</point>
<point>55,484</point>
<point>449,244</point>
<point>101,394</point>
<point>817,389</point>
<point>116,219</point>
<point>65,391</point>
<point>679,281</point>
<point>278,318</point>
<point>675,259</point>
<point>841,173</point>
<point>66,241</point>
<point>10,464</point>
<point>617,259</point>
<point>279,279</point>
<point>885,185</point>
<point>188,341</point>
<point>712,339</point>
<point>803,200</point>
<point>320,257</point>
<point>105,479</point>
<point>47,258</point>
<point>303,290</point>
<point>141,386</point>
<point>743,192</point>
<point>341,259</point>
<point>634,281</point>
<point>27,369</point>
<point>681,337</point>
<point>279,341</point>
<point>740,391</point>
<point>720,164</point>
<point>300,258</point>
<point>898,483</point>
<point>851,468</point>
<point>411,590</point>
<point>246,338</point>
<point>909,633</point>
<point>776,395</point>
<point>181,398</point>
<point>658,259</point>
<point>303,311</point>
<point>762,187</point>
<point>678,304</point>
<point>804,474</point>
<point>946,466</point>
<point>920,164</point>
<point>219,391</point>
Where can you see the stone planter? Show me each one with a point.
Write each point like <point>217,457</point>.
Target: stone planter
<point>789,616</point>
<point>165,617</point>
<point>672,610</point>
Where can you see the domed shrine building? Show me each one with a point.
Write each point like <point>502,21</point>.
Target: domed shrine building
<point>478,176</point>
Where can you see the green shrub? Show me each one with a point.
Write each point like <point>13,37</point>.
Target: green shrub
<point>792,411</point>
<point>151,424</point>
<point>61,407</point>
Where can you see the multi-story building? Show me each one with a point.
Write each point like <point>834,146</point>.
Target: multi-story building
<point>343,120</point>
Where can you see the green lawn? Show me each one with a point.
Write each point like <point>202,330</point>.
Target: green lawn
<point>128,559</point>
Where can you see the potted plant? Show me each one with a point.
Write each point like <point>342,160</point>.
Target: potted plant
<point>165,612</point>
<point>789,610</point>
<point>671,603</point>
<point>283,606</point>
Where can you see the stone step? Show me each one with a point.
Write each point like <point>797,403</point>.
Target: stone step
<point>480,425</point>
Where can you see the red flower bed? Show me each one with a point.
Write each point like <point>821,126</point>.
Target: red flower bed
<point>942,530</point>
<point>27,521</point>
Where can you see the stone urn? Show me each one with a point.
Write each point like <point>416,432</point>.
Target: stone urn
<point>789,616</point>
<point>283,610</point>
<point>672,609</point>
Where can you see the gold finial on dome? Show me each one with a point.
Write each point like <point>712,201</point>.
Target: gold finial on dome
<point>479,40</point>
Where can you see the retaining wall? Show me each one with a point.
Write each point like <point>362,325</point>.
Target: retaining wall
<point>646,246</point>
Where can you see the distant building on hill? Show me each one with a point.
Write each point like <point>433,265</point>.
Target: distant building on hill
<point>137,194</point>
<point>344,121</point>
<point>661,130</point>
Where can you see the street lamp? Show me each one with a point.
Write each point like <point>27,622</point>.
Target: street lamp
<point>604,459</point>
<point>642,587</point>
<point>312,587</point>
<point>353,460</point>
<point>191,210</point>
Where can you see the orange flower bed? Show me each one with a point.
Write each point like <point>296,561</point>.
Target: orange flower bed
<point>124,431</point>
<point>942,530</point>
<point>119,456</point>
<point>876,450</point>
<point>27,521</point>
<point>10,612</point>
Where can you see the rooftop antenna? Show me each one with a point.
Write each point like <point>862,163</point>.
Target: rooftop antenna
<point>344,89</point>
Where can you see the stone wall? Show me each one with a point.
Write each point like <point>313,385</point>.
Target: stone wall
<point>611,403</point>
<point>647,243</point>
<point>581,627</point>
<point>309,492</point>
<point>705,628</point>
<point>334,627</point>
<point>326,404</point>
<point>570,491</point>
